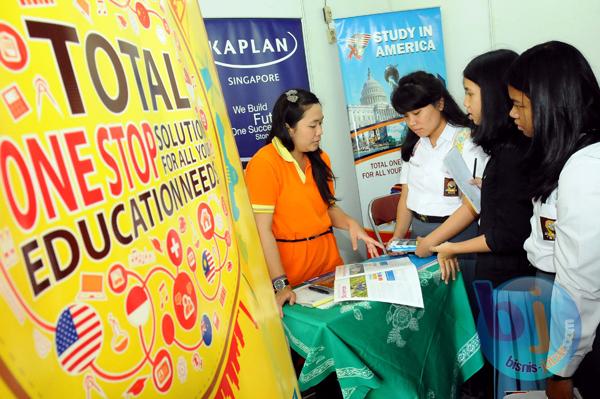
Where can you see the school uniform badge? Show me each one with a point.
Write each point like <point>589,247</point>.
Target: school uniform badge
<point>548,228</point>
<point>450,188</point>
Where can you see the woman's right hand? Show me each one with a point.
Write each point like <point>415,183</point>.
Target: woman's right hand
<point>283,296</point>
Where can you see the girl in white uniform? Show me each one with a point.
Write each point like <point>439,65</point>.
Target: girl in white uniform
<point>435,125</point>
<point>557,102</point>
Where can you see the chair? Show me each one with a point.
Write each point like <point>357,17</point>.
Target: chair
<point>382,210</point>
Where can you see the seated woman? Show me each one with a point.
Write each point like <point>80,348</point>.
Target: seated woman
<point>290,183</point>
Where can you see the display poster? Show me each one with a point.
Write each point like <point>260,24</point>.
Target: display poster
<point>257,60</point>
<point>374,52</point>
<point>130,264</point>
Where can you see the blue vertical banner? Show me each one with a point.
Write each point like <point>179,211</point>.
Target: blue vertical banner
<point>375,51</point>
<point>257,60</point>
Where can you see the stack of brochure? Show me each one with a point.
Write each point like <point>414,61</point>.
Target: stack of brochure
<point>402,245</point>
<point>317,292</point>
<point>393,281</point>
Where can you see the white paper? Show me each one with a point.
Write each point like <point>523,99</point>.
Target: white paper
<point>537,395</point>
<point>461,174</point>
<point>310,298</point>
<point>393,281</point>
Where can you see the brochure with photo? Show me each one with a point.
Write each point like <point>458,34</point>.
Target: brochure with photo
<point>394,281</point>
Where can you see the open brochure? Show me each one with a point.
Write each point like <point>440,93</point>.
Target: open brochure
<point>393,281</point>
<point>459,171</point>
<point>317,292</point>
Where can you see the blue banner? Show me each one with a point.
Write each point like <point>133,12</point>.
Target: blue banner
<point>374,52</point>
<point>257,60</point>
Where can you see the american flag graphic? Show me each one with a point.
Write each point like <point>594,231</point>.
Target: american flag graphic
<point>208,265</point>
<point>357,44</point>
<point>78,337</point>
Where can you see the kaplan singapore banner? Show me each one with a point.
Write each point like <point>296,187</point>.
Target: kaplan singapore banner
<point>130,264</point>
<point>257,60</point>
<point>375,51</point>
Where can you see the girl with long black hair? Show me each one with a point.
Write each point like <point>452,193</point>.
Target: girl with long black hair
<point>556,102</point>
<point>505,210</point>
<point>505,202</point>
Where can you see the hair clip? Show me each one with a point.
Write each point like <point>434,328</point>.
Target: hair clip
<point>292,95</point>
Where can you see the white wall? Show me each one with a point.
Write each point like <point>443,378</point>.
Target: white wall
<point>470,28</point>
<point>522,24</point>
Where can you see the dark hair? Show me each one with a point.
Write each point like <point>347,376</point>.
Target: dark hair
<point>288,110</point>
<point>565,103</point>
<point>496,127</point>
<point>417,90</point>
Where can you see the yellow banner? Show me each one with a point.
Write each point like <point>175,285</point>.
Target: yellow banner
<point>130,265</point>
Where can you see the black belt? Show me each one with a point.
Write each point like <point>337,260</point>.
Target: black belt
<point>328,231</point>
<point>430,219</point>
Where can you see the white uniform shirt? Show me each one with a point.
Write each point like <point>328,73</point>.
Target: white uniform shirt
<point>577,248</point>
<point>540,244</point>
<point>432,191</point>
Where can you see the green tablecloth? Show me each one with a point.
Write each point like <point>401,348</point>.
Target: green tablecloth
<point>382,350</point>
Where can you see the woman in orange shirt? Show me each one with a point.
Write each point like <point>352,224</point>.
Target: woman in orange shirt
<point>290,183</point>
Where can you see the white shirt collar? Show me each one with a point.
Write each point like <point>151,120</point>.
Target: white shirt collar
<point>447,135</point>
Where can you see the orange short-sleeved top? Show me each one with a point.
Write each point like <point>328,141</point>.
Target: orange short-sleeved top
<point>278,185</point>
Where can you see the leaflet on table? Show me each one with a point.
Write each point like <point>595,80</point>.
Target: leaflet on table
<point>394,281</point>
<point>306,296</point>
<point>316,292</point>
<point>402,245</point>
<point>461,174</point>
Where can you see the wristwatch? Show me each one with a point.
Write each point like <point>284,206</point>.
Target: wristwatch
<point>280,283</point>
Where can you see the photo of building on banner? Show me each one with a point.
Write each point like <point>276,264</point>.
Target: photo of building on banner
<point>257,60</point>
<point>375,51</point>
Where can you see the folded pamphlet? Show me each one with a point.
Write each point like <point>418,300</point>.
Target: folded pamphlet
<point>402,245</point>
<point>316,292</point>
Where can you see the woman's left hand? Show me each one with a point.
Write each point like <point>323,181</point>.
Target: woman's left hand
<point>447,261</point>
<point>358,233</point>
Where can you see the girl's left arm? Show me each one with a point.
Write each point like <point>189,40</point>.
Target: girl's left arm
<point>448,251</point>
<point>577,254</point>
